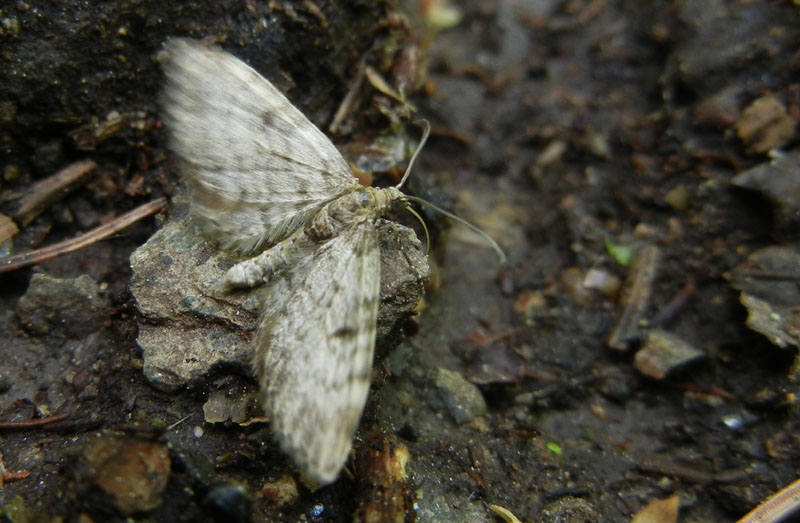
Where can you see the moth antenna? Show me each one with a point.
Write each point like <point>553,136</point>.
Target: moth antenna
<point>499,251</point>
<point>426,126</point>
<point>425,132</point>
<point>424,227</point>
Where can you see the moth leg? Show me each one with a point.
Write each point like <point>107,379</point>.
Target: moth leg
<point>258,269</point>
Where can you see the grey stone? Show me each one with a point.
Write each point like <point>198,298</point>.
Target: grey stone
<point>568,509</point>
<point>70,307</point>
<point>191,323</point>
<point>462,400</point>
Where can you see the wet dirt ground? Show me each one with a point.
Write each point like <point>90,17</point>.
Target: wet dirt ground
<point>637,164</point>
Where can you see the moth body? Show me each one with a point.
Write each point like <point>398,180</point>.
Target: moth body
<point>362,204</point>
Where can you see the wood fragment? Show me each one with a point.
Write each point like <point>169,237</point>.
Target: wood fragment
<point>316,12</point>
<point>659,511</point>
<point>18,261</point>
<point>7,228</point>
<point>590,11</point>
<point>667,466</point>
<point>383,490</point>
<point>51,189</point>
<point>635,297</point>
<point>13,476</point>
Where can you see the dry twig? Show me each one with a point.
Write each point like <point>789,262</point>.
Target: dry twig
<point>51,189</point>
<point>33,423</point>
<point>18,261</point>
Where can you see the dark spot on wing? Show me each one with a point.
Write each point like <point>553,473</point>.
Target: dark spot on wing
<point>368,301</point>
<point>345,332</point>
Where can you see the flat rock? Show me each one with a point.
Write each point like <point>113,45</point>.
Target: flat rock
<point>462,400</point>
<point>191,323</point>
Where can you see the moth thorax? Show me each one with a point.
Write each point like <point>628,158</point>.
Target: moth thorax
<point>385,197</point>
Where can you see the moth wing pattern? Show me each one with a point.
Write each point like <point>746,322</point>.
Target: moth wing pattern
<point>257,167</point>
<point>313,350</point>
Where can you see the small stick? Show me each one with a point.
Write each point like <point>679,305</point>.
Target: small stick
<point>31,424</point>
<point>766,275</point>
<point>671,310</point>
<point>17,261</point>
<point>349,99</point>
<point>51,189</point>
<point>635,297</point>
<point>77,425</point>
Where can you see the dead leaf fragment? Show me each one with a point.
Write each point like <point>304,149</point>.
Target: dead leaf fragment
<point>768,285</point>
<point>777,181</point>
<point>664,353</point>
<point>659,511</point>
<point>766,320</point>
<point>504,513</point>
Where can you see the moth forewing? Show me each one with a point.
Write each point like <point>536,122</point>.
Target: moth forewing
<point>258,167</point>
<point>314,354</point>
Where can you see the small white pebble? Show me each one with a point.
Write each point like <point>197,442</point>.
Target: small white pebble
<point>198,432</point>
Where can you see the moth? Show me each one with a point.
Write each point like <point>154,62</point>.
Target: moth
<point>264,178</point>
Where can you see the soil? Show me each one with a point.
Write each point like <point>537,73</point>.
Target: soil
<point>609,146</point>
